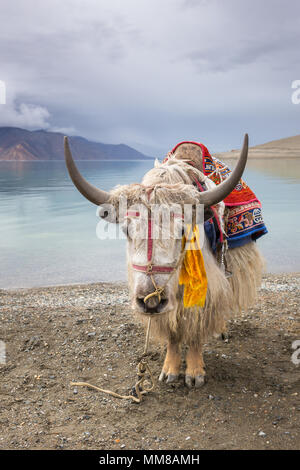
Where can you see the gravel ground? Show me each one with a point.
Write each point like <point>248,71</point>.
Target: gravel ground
<point>55,335</point>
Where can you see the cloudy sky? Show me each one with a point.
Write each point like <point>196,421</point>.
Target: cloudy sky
<point>152,73</point>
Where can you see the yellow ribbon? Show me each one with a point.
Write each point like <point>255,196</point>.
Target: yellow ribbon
<point>193,274</point>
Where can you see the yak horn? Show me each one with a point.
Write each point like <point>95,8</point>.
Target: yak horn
<point>220,192</point>
<point>90,192</point>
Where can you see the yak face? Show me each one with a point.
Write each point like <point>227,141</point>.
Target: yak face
<point>154,247</point>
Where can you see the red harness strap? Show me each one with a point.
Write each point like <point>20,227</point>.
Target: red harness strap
<point>149,268</point>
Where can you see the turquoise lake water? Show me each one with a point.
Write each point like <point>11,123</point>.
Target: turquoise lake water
<point>48,230</point>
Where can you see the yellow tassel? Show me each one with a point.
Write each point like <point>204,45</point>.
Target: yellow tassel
<point>193,274</point>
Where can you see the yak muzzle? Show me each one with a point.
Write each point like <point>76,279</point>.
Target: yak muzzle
<point>152,306</point>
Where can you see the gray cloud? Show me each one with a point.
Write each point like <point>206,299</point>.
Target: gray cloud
<point>25,115</point>
<point>151,73</point>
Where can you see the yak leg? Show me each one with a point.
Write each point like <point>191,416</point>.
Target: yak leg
<point>194,373</point>
<point>224,333</point>
<point>171,367</point>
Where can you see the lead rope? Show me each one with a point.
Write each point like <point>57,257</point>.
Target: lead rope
<point>159,290</point>
<point>140,388</point>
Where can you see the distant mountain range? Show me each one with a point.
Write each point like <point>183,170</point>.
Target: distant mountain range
<point>19,144</point>
<point>289,147</point>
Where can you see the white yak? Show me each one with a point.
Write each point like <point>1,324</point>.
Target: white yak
<point>154,263</point>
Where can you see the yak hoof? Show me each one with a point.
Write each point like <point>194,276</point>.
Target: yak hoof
<point>170,377</point>
<point>222,336</point>
<point>225,337</point>
<point>197,381</point>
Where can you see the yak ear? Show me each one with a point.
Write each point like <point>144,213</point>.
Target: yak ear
<point>116,209</point>
<point>111,213</point>
<point>107,212</point>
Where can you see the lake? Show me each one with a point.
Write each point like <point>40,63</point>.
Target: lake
<point>48,230</point>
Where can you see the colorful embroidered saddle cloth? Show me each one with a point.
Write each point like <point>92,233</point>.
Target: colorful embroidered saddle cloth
<point>244,221</point>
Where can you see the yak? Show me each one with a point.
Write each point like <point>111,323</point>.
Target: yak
<point>155,264</point>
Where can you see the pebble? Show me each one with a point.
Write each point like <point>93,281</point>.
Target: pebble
<point>276,287</point>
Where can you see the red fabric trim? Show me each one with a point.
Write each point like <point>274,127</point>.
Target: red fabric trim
<point>239,203</point>
<point>205,151</point>
<point>236,197</point>
<point>187,142</point>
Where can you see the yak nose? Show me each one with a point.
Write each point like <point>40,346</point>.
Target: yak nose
<point>152,305</point>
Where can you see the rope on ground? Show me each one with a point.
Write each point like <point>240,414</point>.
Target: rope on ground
<point>140,388</point>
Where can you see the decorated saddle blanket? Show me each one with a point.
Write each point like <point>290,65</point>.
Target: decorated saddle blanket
<point>243,220</point>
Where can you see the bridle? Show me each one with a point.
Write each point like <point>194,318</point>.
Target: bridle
<point>150,269</point>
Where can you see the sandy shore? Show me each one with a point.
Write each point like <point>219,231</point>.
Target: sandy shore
<point>282,148</point>
<point>55,335</point>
